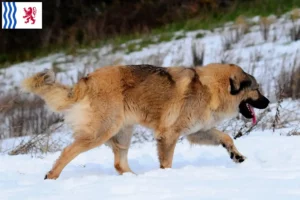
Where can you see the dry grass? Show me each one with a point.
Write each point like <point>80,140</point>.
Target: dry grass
<point>198,55</point>
<point>289,81</point>
<point>265,24</point>
<point>294,132</point>
<point>295,32</point>
<point>232,37</point>
<point>23,115</point>
<point>38,144</point>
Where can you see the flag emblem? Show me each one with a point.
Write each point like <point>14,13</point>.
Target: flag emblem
<point>21,15</point>
<point>30,14</point>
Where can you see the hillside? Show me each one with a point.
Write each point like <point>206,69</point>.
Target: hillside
<point>267,47</point>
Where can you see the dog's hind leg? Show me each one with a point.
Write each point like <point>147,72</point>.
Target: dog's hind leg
<point>120,145</point>
<point>216,137</point>
<point>83,142</point>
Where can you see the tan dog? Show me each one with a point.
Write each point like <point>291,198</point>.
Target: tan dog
<point>103,107</point>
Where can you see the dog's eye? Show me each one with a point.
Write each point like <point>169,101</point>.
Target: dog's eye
<point>245,84</point>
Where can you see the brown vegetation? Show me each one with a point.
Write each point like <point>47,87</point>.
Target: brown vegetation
<point>71,23</point>
<point>22,115</point>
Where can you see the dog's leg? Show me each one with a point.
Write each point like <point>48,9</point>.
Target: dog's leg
<point>216,137</point>
<point>69,153</point>
<point>85,141</point>
<point>120,144</point>
<point>166,143</point>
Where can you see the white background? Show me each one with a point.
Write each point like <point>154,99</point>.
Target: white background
<point>20,13</point>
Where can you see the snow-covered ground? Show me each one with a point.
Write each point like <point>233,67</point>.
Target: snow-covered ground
<point>272,168</point>
<point>271,171</point>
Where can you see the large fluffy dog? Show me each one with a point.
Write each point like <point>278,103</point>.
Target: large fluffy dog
<point>103,106</point>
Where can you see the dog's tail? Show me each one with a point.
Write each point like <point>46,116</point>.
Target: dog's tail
<point>57,96</point>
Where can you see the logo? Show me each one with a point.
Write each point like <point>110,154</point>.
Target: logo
<point>21,15</point>
<point>30,14</point>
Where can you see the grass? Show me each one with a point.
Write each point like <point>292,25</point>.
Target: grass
<point>143,41</point>
<point>204,20</point>
<point>208,20</point>
<point>178,37</point>
<point>199,35</point>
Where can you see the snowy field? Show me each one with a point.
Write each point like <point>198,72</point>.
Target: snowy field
<point>271,171</point>
<point>272,168</point>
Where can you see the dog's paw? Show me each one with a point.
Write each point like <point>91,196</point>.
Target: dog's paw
<point>50,175</point>
<point>234,154</point>
<point>237,158</point>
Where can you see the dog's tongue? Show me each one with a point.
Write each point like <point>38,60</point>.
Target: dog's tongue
<point>253,114</point>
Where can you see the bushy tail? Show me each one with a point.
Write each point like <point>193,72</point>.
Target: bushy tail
<point>57,96</point>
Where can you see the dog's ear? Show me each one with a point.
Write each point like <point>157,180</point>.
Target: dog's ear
<point>47,75</point>
<point>238,83</point>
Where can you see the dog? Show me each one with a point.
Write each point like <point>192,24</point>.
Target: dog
<point>102,107</point>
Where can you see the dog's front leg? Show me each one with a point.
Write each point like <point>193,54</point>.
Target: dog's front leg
<point>166,142</point>
<point>216,137</point>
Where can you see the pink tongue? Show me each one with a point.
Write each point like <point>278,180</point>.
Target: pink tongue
<point>253,114</point>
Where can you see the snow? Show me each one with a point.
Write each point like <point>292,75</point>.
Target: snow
<point>271,171</point>
<point>272,168</point>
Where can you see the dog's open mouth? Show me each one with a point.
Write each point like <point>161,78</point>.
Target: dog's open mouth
<point>248,111</point>
<point>251,109</point>
<point>246,106</point>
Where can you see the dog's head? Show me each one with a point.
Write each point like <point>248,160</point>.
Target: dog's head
<point>245,87</point>
<point>241,89</point>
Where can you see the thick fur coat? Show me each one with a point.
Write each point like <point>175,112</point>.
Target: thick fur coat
<point>103,106</point>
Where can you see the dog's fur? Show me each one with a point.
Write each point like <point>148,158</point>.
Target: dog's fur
<point>103,106</point>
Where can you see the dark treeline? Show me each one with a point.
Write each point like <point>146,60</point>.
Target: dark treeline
<point>82,22</point>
